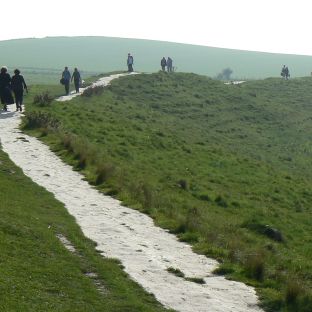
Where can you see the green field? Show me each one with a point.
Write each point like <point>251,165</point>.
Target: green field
<point>225,167</point>
<point>36,57</point>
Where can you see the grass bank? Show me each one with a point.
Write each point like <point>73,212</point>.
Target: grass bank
<point>38,273</point>
<point>225,167</point>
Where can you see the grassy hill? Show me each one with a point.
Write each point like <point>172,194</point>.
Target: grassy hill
<point>225,167</point>
<point>39,57</point>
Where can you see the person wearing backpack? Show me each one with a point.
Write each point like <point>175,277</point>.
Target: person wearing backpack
<point>66,79</point>
<point>283,71</point>
<point>18,86</point>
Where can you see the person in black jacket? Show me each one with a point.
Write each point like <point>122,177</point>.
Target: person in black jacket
<point>77,79</point>
<point>163,64</point>
<point>130,63</point>
<point>5,88</point>
<point>18,85</point>
<point>66,79</point>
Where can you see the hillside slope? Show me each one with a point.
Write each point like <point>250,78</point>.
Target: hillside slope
<point>226,167</point>
<point>102,54</point>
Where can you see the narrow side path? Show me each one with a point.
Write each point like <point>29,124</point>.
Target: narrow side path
<point>104,81</point>
<point>145,250</point>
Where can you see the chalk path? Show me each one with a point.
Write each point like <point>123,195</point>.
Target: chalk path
<point>145,250</point>
<point>101,82</point>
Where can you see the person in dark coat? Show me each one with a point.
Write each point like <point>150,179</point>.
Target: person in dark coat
<point>287,74</point>
<point>18,85</point>
<point>169,64</point>
<point>5,88</point>
<point>77,79</point>
<point>163,64</point>
<point>66,76</point>
<point>130,63</point>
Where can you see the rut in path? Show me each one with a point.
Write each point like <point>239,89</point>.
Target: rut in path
<point>146,251</point>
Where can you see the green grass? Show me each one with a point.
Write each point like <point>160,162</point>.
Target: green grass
<point>37,273</point>
<point>225,167</point>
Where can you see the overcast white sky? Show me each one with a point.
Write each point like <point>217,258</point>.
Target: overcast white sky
<point>260,25</point>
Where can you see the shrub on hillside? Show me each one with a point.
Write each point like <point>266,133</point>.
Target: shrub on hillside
<point>67,141</point>
<point>225,74</point>
<point>40,120</point>
<point>264,229</point>
<point>43,99</point>
<point>255,266</point>
<point>103,172</point>
<point>204,197</point>
<point>293,291</point>
<point>183,184</point>
<point>97,90</point>
<point>220,201</point>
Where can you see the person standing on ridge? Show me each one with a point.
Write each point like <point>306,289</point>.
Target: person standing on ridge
<point>5,88</point>
<point>77,79</point>
<point>18,85</point>
<point>283,71</point>
<point>169,64</point>
<point>66,78</point>
<point>130,63</point>
<point>163,64</point>
<point>287,74</point>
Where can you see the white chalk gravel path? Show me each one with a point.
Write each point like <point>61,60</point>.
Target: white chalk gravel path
<point>104,81</point>
<point>145,250</point>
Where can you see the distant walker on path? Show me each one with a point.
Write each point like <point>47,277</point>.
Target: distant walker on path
<point>18,85</point>
<point>5,88</point>
<point>285,72</point>
<point>130,63</point>
<point>169,64</point>
<point>77,79</point>
<point>66,79</point>
<point>163,64</point>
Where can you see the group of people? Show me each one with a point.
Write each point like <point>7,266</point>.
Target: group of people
<point>67,78</point>
<point>168,63</point>
<point>163,63</point>
<point>285,72</point>
<point>15,84</point>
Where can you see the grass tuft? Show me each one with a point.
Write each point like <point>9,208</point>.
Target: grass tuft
<point>293,291</point>
<point>43,99</point>
<point>103,172</point>
<point>255,266</point>
<point>93,91</point>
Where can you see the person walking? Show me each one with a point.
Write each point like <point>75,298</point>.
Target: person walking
<point>77,79</point>
<point>130,63</point>
<point>66,79</point>
<point>163,64</point>
<point>283,71</point>
<point>287,74</point>
<point>5,88</point>
<point>18,86</point>
<point>169,64</point>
